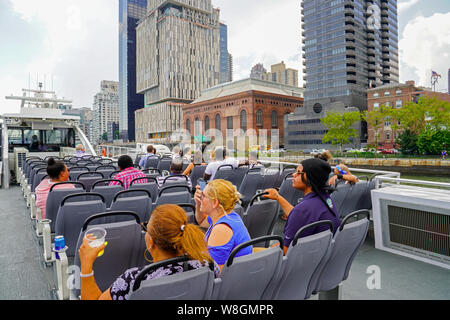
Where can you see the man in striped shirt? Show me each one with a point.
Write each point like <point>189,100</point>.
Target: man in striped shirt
<point>127,173</point>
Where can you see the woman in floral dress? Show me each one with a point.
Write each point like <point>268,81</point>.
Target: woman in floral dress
<point>167,235</point>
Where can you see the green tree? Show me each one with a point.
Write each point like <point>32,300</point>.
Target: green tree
<point>340,128</point>
<point>408,142</point>
<point>375,119</point>
<point>433,141</point>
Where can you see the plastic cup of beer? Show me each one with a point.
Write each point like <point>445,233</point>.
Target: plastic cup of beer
<point>96,237</point>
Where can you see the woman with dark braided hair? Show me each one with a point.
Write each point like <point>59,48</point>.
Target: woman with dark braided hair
<point>311,177</point>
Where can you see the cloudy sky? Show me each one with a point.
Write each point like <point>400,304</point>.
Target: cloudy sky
<point>75,42</point>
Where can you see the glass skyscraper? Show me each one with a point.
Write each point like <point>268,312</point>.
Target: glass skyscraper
<point>225,59</point>
<point>348,47</point>
<point>130,12</point>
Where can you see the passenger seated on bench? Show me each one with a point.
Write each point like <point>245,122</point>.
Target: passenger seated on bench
<point>150,154</point>
<point>80,151</point>
<point>342,173</point>
<point>197,160</point>
<point>127,172</point>
<point>221,158</point>
<point>176,167</point>
<point>167,235</point>
<point>226,230</point>
<point>58,172</point>
<point>311,177</point>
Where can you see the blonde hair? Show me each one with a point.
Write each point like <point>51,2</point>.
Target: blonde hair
<point>79,147</point>
<point>224,192</point>
<point>171,232</point>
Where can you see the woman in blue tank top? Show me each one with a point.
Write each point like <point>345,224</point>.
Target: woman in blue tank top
<point>226,230</point>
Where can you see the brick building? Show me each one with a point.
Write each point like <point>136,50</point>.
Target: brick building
<point>395,95</point>
<point>244,104</point>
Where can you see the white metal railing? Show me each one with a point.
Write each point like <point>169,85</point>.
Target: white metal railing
<point>409,181</point>
<point>380,175</point>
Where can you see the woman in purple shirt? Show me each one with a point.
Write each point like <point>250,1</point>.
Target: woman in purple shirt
<point>311,177</point>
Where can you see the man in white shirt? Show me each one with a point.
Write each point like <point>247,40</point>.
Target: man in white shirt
<point>221,159</point>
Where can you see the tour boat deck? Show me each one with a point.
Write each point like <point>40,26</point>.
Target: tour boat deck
<point>25,277</point>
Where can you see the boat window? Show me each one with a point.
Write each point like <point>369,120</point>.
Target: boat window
<point>40,140</point>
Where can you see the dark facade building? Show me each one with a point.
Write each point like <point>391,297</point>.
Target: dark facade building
<point>349,46</point>
<point>130,12</point>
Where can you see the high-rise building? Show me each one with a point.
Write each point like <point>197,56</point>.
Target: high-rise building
<point>130,12</point>
<point>230,66</point>
<point>258,72</point>
<point>178,55</point>
<point>225,56</point>
<point>278,73</point>
<point>348,47</point>
<point>105,109</point>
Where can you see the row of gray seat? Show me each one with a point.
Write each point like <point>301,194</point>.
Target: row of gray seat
<point>312,264</point>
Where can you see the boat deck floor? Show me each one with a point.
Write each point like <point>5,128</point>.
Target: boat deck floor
<point>24,276</point>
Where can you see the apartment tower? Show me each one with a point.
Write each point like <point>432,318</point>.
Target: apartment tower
<point>178,55</point>
<point>348,47</point>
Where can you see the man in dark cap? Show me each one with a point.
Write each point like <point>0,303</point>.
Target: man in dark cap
<point>311,177</point>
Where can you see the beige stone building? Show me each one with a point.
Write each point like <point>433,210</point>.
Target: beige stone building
<point>278,73</point>
<point>177,55</point>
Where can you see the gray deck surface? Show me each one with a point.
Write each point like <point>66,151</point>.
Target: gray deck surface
<point>24,276</point>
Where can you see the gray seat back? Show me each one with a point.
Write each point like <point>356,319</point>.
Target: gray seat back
<point>345,245</point>
<point>249,277</point>
<point>179,180</point>
<point>106,170</point>
<point>152,162</point>
<point>74,172</point>
<point>71,216</point>
<point>165,196</point>
<point>54,199</point>
<point>288,192</point>
<point>260,216</point>
<point>189,285</point>
<point>301,261</point>
<point>239,174</point>
<point>197,173</point>
<point>138,201</point>
<point>125,249</point>
<point>148,183</point>
<point>283,173</point>
<point>252,182</point>
<point>365,201</point>
<point>342,199</point>
<point>35,164</point>
<point>40,174</point>
<point>107,191</point>
<point>225,172</point>
<point>33,172</point>
<point>164,164</point>
<point>89,178</point>
<point>270,178</point>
